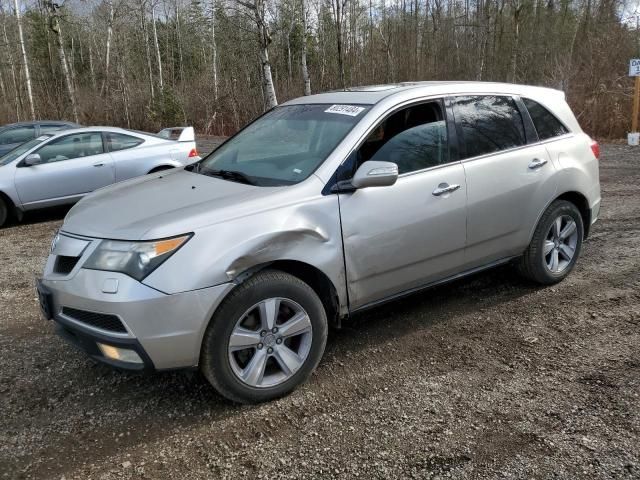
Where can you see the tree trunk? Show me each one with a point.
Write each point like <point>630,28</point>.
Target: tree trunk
<point>214,50</point>
<point>143,24</point>
<point>516,43</point>
<point>338,10</point>
<point>25,62</point>
<point>157,46</point>
<point>16,91</point>
<point>303,55</point>
<point>57,30</point>
<point>107,55</point>
<point>264,40</point>
<point>179,42</point>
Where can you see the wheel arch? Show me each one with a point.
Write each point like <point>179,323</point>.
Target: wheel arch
<point>12,209</point>
<point>312,276</point>
<point>161,167</point>
<point>581,202</point>
<point>574,197</point>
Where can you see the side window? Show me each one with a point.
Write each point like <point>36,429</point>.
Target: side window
<point>547,125</point>
<point>72,146</point>
<point>488,124</point>
<point>17,135</point>
<point>120,141</point>
<point>414,138</point>
<point>48,128</point>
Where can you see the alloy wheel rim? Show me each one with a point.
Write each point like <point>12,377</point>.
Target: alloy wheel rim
<point>270,342</point>
<point>560,244</point>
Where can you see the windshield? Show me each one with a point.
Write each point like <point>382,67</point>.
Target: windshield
<point>284,146</point>
<point>25,147</point>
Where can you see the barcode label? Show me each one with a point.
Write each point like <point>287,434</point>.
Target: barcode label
<point>350,110</point>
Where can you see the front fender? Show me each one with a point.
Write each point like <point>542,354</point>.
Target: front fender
<point>307,231</point>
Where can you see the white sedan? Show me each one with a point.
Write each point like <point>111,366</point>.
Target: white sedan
<point>60,168</point>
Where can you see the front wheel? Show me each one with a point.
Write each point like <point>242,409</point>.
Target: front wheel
<point>555,246</point>
<point>265,339</point>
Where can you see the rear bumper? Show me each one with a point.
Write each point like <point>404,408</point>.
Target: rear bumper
<point>165,330</point>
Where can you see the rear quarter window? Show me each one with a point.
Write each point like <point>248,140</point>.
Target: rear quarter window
<point>120,141</point>
<point>546,123</point>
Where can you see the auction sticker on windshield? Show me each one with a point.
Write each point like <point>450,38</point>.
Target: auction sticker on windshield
<point>350,110</point>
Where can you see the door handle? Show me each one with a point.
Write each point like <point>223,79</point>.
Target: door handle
<point>98,164</point>
<point>537,163</point>
<point>445,188</point>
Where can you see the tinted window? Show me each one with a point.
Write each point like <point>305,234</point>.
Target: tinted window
<point>414,138</point>
<point>489,124</point>
<point>72,146</point>
<point>285,145</point>
<point>120,141</point>
<point>547,125</point>
<point>17,135</point>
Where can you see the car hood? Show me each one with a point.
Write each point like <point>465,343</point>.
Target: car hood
<point>163,205</point>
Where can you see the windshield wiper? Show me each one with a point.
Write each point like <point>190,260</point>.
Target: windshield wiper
<point>228,175</point>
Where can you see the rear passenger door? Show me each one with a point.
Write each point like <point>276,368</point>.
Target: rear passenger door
<point>510,178</point>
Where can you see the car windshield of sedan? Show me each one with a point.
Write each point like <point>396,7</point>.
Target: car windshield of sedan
<point>25,147</point>
<point>284,146</point>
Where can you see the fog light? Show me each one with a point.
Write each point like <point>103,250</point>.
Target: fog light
<point>121,354</point>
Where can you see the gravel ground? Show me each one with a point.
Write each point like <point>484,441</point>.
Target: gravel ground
<point>488,377</point>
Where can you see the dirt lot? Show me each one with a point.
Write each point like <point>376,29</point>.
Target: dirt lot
<point>488,377</point>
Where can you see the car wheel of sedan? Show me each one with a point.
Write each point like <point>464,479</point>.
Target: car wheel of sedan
<point>555,246</point>
<point>4,212</point>
<point>265,339</point>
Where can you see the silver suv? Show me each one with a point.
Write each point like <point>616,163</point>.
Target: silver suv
<point>322,207</point>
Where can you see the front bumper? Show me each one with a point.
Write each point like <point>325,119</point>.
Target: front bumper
<point>165,330</point>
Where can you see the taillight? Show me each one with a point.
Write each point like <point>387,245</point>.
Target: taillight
<point>193,153</point>
<point>595,148</point>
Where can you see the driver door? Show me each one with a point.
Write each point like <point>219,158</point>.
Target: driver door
<point>71,166</point>
<point>410,234</point>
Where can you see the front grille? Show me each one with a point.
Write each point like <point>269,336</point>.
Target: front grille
<point>98,320</point>
<point>64,264</point>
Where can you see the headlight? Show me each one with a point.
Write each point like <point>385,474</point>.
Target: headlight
<point>136,259</point>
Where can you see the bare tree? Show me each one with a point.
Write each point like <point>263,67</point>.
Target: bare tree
<point>303,54</point>
<point>214,51</point>
<point>258,8</point>
<point>54,25</point>
<point>157,46</point>
<point>107,55</point>
<point>338,7</point>
<point>25,62</point>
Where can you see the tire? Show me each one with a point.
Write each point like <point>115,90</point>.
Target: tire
<point>551,257</point>
<point>4,212</point>
<point>230,358</point>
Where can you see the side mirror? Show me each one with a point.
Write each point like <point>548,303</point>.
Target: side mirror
<point>375,174</point>
<point>32,159</point>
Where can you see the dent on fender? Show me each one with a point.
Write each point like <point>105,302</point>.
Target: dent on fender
<point>275,246</point>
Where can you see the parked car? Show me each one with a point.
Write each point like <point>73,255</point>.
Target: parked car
<point>16,134</point>
<point>61,167</point>
<point>323,207</point>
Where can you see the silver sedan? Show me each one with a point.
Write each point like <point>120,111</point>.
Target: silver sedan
<point>60,168</point>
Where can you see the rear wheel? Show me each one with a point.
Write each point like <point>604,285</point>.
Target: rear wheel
<point>265,339</point>
<point>4,212</point>
<point>555,246</point>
